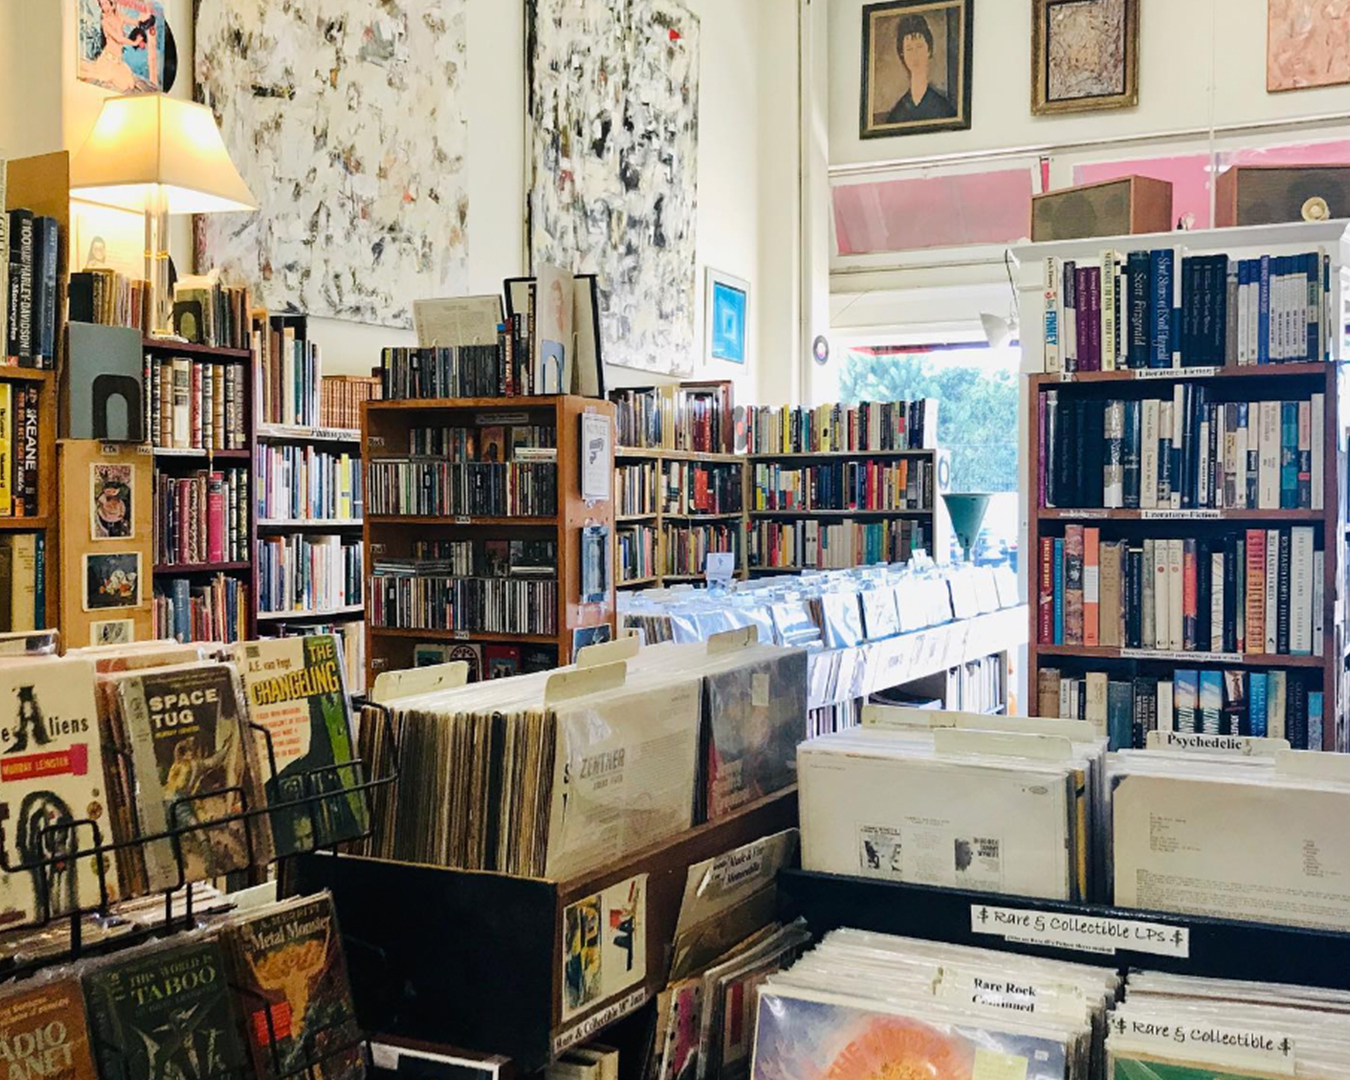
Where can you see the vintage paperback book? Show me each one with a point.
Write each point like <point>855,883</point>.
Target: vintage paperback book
<point>295,690</point>
<point>161,1013</point>
<point>53,795</point>
<point>195,772</point>
<point>287,962</point>
<point>43,1034</point>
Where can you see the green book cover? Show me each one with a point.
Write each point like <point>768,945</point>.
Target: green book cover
<point>1127,1068</point>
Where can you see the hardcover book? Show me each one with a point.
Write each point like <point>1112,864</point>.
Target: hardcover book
<point>296,691</point>
<point>53,793</point>
<point>43,1033</point>
<point>165,1013</point>
<point>192,759</point>
<point>287,962</point>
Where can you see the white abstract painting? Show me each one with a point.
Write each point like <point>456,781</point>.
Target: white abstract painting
<point>346,119</point>
<point>614,166</point>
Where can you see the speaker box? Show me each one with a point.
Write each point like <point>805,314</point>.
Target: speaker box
<point>1132,204</point>
<point>1266,194</point>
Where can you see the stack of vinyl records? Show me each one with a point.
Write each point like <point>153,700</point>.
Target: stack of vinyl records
<point>1179,1027</point>
<point>995,809</point>
<point>1257,838</point>
<point>863,1005</point>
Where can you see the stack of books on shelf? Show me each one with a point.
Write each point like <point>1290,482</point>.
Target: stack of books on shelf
<point>302,483</point>
<point>906,484</point>
<point>695,487</point>
<point>828,544</point>
<point>105,297</point>
<point>341,398</point>
<point>1156,309</point>
<point>187,611</point>
<point>1182,450</point>
<point>635,488</point>
<point>23,581</point>
<point>288,371</point>
<point>501,369</point>
<point>196,404</point>
<point>695,417</point>
<point>836,428</point>
<point>637,552</point>
<point>201,518</point>
<point>302,574</point>
<point>32,311</point>
<point>643,417</point>
<point>20,434</point>
<point>687,546</point>
<point>209,313</point>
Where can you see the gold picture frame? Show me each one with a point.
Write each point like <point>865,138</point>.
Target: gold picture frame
<point>1084,56</point>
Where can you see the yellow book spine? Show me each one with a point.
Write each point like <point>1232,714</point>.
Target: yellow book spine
<point>6,449</point>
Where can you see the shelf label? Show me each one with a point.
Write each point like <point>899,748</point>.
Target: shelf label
<point>1183,657</point>
<point>1221,1043</point>
<point>463,519</point>
<point>1239,745</point>
<point>461,635</point>
<point>507,418</point>
<point>1179,515</point>
<point>376,440</point>
<point>1082,933</point>
<point>1176,373</point>
<point>1084,514</point>
<point>579,1033</point>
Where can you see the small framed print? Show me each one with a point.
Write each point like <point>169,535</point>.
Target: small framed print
<point>1084,55</point>
<point>112,581</point>
<point>112,632</point>
<point>111,502</point>
<point>727,312</point>
<point>916,67</point>
<point>595,563</point>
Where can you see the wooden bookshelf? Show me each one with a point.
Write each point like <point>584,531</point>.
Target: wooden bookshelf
<point>385,434</point>
<point>1273,381</point>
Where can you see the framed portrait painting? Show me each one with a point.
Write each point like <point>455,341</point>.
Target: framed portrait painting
<point>916,67</point>
<point>1084,55</point>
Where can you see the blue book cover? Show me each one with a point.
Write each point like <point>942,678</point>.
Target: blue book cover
<point>1257,704</point>
<point>1139,305</point>
<point>1314,718</point>
<point>1059,592</point>
<point>1186,688</point>
<point>1211,702</point>
<point>1120,714</point>
<point>1314,271</point>
<point>182,609</point>
<point>1264,311</point>
<point>1160,272</point>
<point>1325,353</point>
<point>1289,455</point>
<point>40,587</point>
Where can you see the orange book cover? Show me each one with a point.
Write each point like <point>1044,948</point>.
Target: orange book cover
<point>1256,591</point>
<point>1091,585</point>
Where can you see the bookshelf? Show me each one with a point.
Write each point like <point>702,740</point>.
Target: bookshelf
<point>1209,527</point>
<point>42,184</point>
<point>387,428</point>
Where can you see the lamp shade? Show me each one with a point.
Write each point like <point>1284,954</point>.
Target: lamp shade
<point>967,513</point>
<point>143,140</point>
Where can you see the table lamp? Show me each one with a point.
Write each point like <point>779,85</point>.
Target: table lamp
<point>967,513</point>
<point>162,156</point>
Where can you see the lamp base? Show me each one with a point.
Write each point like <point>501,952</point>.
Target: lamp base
<point>160,321</point>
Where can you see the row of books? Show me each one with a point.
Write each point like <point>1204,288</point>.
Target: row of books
<point>101,295</point>
<point>306,573</point>
<point>1272,704</point>
<point>693,416</point>
<point>201,518</point>
<point>492,558</point>
<point>205,312</point>
<point>501,369</point>
<point>495,437</point>
<point>1254,592</point>
<point>196,404</point>
<point>185,611</point>
<point>1156,309</point>
<point>687,546</point>
<point>827,545</point>
<point>421,487</point>
<point>31,289</point>
<point>288,372</point>
<point>498,661</point>
<point>306,483</point>
<point>225,979</point>
<point>839,428</point>
<point>20,436</point>
<point>413,594</point>
<point>696,487</point>
<point>1182,453</point>
<point>635,488</point>
<point>23,581</point>
<point>636,552</point>
<point>845,485</point>
<point>341,398</point>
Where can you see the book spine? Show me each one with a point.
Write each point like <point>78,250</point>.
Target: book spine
<point>1059,591</point>
<point>1073,585</point>
<point>1283,593</point>
<point>1045,600</point>
<point>1091,586</point>
<point>1130,457</point>
<point>1113,477</point>
<point>1068,331</point>
<point>1160,278</point>
<point>1263,311</point>
<point>1053,360</point>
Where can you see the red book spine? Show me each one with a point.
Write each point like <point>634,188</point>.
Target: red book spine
<point>1189,609</point>
<point>181,491</point>
<point>215,518</point>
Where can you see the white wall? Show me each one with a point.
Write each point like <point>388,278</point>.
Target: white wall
<point>1185,46</point>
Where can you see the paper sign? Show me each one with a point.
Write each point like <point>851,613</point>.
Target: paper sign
<point>604,945</point>
<point>992,1065</point>
<point>720,567</point>
<point>1082,933</point>
<point>1221,1043</point>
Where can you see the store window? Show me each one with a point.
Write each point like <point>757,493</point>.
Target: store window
<point>977,419</point>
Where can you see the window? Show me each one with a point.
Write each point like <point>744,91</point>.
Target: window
<point>977,387</point>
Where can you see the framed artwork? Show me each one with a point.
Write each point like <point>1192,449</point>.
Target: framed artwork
<point>112,632</point>
<point>1307,44</point>
<point>112,504</point>
<point>595,564</point>
<point>726,310</point>
<point>125,46</point>
<point>916,67</point>
<point>1084,55</point>
<point>112,581</point>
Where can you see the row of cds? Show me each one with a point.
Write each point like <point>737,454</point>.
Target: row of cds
<point>427,487</point>
<point>424,595</point>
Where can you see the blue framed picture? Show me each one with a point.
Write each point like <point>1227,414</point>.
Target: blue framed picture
<point>727,313</point>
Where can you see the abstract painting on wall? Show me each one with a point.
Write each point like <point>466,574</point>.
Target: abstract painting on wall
<point>347,120</point>
<point>613,153</point>
<point>1307,44</point>
<point>1084,55</point>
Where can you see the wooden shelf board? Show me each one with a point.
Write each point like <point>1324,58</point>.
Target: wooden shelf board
<point>619,519</point>
<point>186,348</point>
<point>663,454</point>
<point>1250,371</point>
<point>24,524</point>
<point>463,635</point>
<point>637,581</point>
<point>330,613</point>
<point>200,568</point>
<point>735,515</point>
<point>309,523</point>
<point>297,433</point>
<point>1100,652</point>
<point>463,520</point>
<point>1183,517</point>
<point>780,569</point>
<point>13,371</point>
<point>838,513</point>
<point>196,454</point>
<point>840,455</point>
